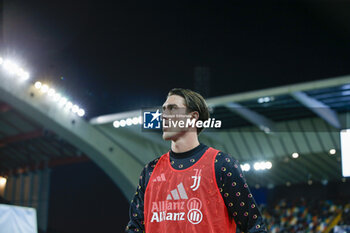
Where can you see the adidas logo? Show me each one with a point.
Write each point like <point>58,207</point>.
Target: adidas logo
<point>160,178</point>
<point>177,193</point>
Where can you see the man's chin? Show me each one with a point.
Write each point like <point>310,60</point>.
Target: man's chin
<point>168,135</point>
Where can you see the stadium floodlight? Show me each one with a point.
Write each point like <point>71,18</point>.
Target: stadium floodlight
<point>75,108</point>
<point>332,151</point>
<point>63,101</point>
<point>135,120</point>
<point>295,155</point>
<point>345,152</point>
<point>57,97</point>
<point>116,124</point>
<point>37,85</point>
<point>22,74</point>
<point>268,165</point>
<point>51,92</point>
<point>81,112</point>
<point>264,165</point>
<point>25,75</point>
<point>261,100</point>
<point>128,121</point>
<point>257,166</point>
<point>44,88</point>
<point>265,99</point>
<point>68,105</point>
<point>122,123</point>
<point>245,167</point>
<point>10,67</point>
<point>13,69</point>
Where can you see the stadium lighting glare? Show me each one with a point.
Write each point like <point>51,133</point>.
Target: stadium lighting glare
<point>332,151</point>
<point>265,165</point>
<point>51,92</point>
<point>122,123</point>
<point>265,99</point>
<point>116,124</point>
<point>268,165</point>
<point>22,74</point>
<point>10,67</point>
<point>257,166</point>
<point>135,120</point>
<point>57,97</point>
<point>37,85</point>
<point>128,121</point>
<point>63,101</point>
<point>13,69</point>
<point>295,155</point>
<point>81,112</point>
<point>44,88</point>
<point>68,105</point>
<point>75,108</point>
<point>25,76</point>
<point>2,181</point>
<point>245,167</point>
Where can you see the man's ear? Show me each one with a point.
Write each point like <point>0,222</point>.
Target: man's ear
<point>195,115</point>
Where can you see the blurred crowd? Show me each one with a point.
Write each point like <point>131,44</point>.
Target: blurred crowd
<point>307,216</point>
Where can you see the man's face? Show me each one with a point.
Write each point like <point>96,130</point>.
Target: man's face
<point>174,110</point>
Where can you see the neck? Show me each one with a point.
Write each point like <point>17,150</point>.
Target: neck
<point>186,142</point>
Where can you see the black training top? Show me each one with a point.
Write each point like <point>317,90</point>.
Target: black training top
<point>231,183</point>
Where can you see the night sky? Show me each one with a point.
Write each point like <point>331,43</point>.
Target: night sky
<point>125,55</point>
<point>119,56</point>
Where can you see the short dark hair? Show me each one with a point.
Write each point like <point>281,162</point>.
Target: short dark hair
<point>194,102</point>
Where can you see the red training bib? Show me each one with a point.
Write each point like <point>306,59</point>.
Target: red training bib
<point>186,201</point>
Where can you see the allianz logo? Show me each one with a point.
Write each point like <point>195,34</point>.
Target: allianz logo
<point>175,210</point>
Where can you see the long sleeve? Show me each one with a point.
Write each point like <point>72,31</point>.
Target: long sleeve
<point>136,211</point>
<point>238,199</point>
<point>136,223</point>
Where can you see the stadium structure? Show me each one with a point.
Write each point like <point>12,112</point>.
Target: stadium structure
<point>282,136</point>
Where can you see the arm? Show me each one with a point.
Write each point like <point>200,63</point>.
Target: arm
<point>136,223</point>
<point>237,196</point>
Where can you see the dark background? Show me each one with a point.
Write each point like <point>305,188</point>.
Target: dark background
<point>124,55</point>
<point>121,55</point>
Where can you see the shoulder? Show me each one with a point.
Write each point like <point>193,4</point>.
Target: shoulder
<point>152,164</point>
<point>223,158</point>
<point>227,163</point>
<point>149,167</point>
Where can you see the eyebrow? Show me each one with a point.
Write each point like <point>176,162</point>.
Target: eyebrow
<point>169,105</point>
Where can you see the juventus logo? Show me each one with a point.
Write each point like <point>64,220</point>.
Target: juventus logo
<point>197,179</point>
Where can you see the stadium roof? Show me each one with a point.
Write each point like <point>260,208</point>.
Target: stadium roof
<point>266,125</point>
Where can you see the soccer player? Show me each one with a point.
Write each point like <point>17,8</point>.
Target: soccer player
<point>192,188</point>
